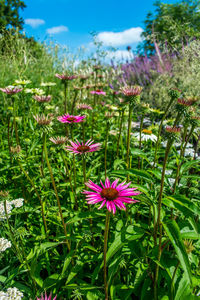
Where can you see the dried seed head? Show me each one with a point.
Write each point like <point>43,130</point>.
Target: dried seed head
<point>43,120</point>
<point>16,149</point>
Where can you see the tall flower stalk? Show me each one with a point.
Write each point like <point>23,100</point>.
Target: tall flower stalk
<point>110,195</point>
<point>158,225</point>
<point>56,192</point>
<point>120,131</point>
<point>107,222</point>
<point>38,195</point>
<point>132,97</point>
<point>174,94</point>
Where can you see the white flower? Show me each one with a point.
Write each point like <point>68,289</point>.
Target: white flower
<point>2,210</point>
<point>3,296</point>
<point>22,82</point>
<point>188,152</point>
<point>18,202</point>
<point>11,294</point>
<point>48,84</point>
<point>113,132</point>
<point>145,136</point>
<point>36,91</point>
<point>4,244</point>
<point>168,172</point>
<point>14,294</point>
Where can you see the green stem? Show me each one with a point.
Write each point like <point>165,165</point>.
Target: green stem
<point>93,115</point>
<point>34,187</point>
<point>140,140</point>
<point>55,190</point>
<point>173,277</point>
<point>128,138</point>
<point>74,173</point>
<point>65,97</point>
<point>106,147</point>
<point>104,253</point>
<point>74,101</point>
<point>67,170</point>
<point>158,224</point>
<point>84,168</point>
<point>14,123</point>
<point>159,131</point>
<point>120,131</point>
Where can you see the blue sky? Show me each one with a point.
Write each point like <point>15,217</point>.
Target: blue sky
<point>69,22</point>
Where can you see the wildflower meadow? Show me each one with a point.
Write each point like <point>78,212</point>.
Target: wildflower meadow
<point>99,164</point>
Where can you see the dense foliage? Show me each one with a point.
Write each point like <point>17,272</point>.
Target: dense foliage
<point>9,14</point>
<point>51,238</point>
<point>172,25</point>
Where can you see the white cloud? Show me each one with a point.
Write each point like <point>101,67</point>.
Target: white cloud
<point>34,23</point>
<point>57,29</point>
<point>125,37</point>
<point>120,55</point>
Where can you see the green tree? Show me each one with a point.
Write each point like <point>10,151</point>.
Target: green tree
<point>9,13</point>
<point>171,24</point>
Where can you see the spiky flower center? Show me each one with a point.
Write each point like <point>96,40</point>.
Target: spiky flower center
<point>109,193</point>
<point>71,119</point>
<point>147,131</point>
<point>83,148</point>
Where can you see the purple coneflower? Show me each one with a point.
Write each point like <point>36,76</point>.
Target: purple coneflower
<point>11,90</point>
<point>82,148</point>
<point>59,140</point>
<point>65,77</point>
<point>111,194</point>
<point>98,92</point>
<point>46,297</point>
<point>83,106</point>
<point>42,98</point>
<point>71,119</point>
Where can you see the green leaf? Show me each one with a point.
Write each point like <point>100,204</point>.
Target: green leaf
<point>183,204</point>
<point>173,232</point>
<point>83,215</point>
<point>134,173</point>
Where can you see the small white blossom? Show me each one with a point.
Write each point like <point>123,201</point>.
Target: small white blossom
<point>2,210</point>
<point>188,152</point>
<point>22,82</point>
<point>18,202</point>
<point>11,294</point>
<point>3,296</point>
<point>4,244</point>
<point>48,84</point>
<point>14,294</point>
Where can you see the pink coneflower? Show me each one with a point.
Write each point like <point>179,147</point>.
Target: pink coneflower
<point>11,90</point>
<point>46,297</point>
<point>98,92</point>
<point>65,77</point>
<point>42,98</point>
<point>82,148</point>
<point>59,140</point>
<point>83,106</point>
<point>71,119</point>
<point>131,90</point>
<point>111,194</point>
